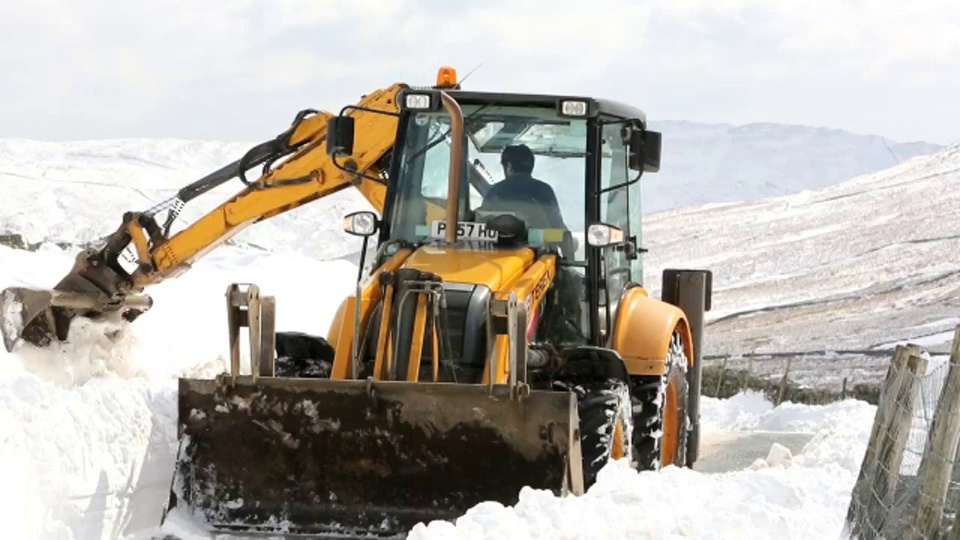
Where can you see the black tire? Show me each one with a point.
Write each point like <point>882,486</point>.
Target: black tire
<point>303,355</point>
<point>601,407</point>
<point>649,397</point>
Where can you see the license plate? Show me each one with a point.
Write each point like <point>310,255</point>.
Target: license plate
<point>467,230</point>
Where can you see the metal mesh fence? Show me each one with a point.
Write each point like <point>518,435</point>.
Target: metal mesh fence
<point>906,487</point>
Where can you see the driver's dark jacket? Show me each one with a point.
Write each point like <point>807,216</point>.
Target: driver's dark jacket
<point>536,202</point>
<point>522,193</point>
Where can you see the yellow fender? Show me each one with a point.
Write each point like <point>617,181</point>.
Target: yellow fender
<point>642,329</point>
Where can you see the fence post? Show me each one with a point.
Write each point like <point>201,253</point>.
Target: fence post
<point>783,381</point>
<point>859,498</point>
<point>745,383</point>
<point>890,451</point>
<point>936,466</point>
<point>723,369</point>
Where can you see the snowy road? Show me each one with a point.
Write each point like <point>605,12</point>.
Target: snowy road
<point>734,451</point>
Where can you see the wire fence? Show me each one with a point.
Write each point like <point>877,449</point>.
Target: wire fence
<point>908,486</point>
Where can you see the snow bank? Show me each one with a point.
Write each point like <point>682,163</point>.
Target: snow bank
<point>88,428</point>
<point>751,411</point>
<point>805,497</point>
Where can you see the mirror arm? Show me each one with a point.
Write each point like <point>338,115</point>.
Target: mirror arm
<point>356,173</point>
<point>620,185</point>
<point>367,109</point>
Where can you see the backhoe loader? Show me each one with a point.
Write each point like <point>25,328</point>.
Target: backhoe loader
<point>491,343</point>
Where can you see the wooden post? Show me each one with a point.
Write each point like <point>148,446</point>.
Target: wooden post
<point>843,391</point>
<point>859,497</point>
<point>783,381</point>
<point>890,452</point>
<point>723,369</point>
<point>955,531</point>
<point>938,458</point>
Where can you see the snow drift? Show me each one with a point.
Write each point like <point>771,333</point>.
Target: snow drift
<point>803,496</point>
<point>88,428</point>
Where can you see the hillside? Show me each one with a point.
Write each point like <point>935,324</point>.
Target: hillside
<point>855,267</point>
<point>75,192</point>
<point>708,163</point>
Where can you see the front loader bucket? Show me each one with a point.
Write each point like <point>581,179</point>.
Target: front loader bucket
<point>313,456</point>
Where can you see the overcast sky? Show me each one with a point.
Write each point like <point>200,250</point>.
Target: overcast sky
<point>241,69</point>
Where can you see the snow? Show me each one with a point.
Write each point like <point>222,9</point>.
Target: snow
<point>75,192</point>
<point>87,429</point>
<point>796,496</point>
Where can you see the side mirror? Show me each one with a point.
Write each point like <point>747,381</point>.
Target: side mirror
<point>340,135</point>
<point>361,224</point>
<point>645,149</point>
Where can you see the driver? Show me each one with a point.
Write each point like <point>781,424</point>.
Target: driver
<point>520,192</point>
<point>536,203</point>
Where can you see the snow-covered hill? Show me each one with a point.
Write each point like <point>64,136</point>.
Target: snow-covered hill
<point>707,163</point>
<point>75,191</point>
<point>855,267</point>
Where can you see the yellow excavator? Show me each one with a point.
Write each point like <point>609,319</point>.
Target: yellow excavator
<point>501,335</point>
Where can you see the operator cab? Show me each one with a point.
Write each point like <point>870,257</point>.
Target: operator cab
<point>553,173</point>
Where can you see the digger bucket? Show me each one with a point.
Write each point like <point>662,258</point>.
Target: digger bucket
<point>346,457</point>
<point>39,316</point>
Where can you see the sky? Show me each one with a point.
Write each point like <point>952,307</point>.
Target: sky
<point>240,70</point>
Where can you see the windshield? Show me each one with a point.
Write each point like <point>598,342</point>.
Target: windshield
<point>549,199</point>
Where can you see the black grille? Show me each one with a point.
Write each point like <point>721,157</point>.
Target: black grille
<point>462,338</point>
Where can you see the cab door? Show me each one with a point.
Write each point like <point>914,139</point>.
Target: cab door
<point>615,210</point>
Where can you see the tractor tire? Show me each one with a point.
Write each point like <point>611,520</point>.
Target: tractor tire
<point>605,425</point>
<point>660,413</point>
<point>303,355</point>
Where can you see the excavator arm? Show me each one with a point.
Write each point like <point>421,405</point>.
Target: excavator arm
<point>102,283</point>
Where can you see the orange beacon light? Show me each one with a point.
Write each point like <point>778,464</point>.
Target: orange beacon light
<point>447,77</point>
